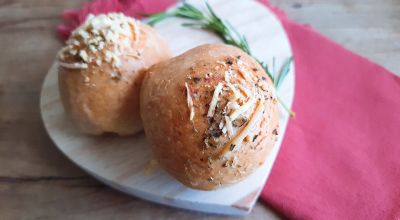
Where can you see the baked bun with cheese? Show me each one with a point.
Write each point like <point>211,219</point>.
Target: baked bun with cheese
<point>101,71</point>
<point>210,116</point>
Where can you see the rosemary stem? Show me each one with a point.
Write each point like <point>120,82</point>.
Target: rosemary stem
<point>227,33</point>
<point>291,113</point>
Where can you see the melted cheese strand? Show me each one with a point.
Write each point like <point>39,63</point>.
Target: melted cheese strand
<point>214,100</point>
<point>236,142</point>
<point>242,109</point>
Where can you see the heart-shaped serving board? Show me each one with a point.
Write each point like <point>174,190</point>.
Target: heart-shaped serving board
<point>121,161</point>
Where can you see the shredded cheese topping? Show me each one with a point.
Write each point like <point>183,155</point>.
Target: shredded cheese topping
<point>245,74</point>
<point>224,130</point>
<point>249,138</point>
<point>214,100</point>
<point>268,88</point>
<point>236,94</point>
<point>190,102</point>
<point>234,162</point>
<point>242,109</point>
<point>226,76</point>
<point>235,58</point>
<point>118,31</point>
<point>229,125</point>
<point>237,141</point>
<point>234,97</point>
<point>220,62</point>
<point>246,91</point>
<point>221,124</point>
<point>233,105</point>
<point>74,65</point>
<point>116,24</point>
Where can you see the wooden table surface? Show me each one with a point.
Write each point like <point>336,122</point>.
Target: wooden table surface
<point>38,182</point>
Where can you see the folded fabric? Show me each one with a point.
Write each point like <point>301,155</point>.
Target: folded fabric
<point>340,158</point>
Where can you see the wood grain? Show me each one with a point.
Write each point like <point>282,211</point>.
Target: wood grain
<point>367,27</point>
<point>38,182</point>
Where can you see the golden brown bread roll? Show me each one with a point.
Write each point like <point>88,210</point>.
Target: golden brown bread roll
<point>210,116</point>
<point>101,71</point>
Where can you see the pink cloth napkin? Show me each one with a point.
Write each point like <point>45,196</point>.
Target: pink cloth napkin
<point>340,158</point>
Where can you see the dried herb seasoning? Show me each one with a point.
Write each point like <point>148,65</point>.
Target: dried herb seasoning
<point>212,120</point>
<point>275,132</point>
<point>232,147</point>
<point>255,137</point>
<point>229,61</point>
<point>197,79</point>
<point>218,134</point>
<point>239,122</point>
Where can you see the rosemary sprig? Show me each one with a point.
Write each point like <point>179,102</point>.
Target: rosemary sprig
<point>226,32</point>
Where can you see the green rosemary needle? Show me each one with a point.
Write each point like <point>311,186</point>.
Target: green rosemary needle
<point>226,32</point>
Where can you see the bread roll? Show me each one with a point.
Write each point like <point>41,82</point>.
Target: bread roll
<point>101,72</point>
<point>210,116</point>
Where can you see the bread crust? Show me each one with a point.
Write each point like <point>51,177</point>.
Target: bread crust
<point>104,98</point>
<point>187,149</point>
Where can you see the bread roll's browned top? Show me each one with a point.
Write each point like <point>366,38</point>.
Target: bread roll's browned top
<point>101,71</point>
<point>210,116</point>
